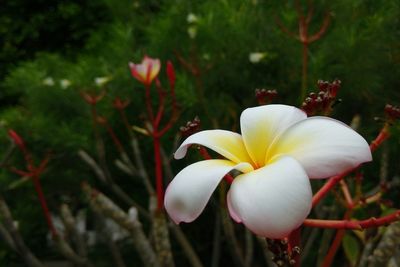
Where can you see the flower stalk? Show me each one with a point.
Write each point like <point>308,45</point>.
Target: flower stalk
<point>34,173</point>
<point>146,73</point>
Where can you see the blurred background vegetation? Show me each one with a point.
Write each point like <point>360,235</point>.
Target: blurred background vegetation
<point>52,51</point>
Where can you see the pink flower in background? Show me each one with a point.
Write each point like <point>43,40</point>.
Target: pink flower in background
<point>146,71</point>
<point>279,150</point>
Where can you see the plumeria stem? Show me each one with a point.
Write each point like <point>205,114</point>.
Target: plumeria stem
<point>354,224</point>
<point>148,104</point>
<point>382,136</point>
<point>34,173</point>
<point>43,204</point>
<point>346,193</point>
<point>328,186</point>
<point>336,243</point>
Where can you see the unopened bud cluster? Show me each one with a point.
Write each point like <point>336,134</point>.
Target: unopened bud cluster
<point>190,128</point>
<point>265,96</point>
<point>322,100</point>
<point>392,112</point>
<point>281,254</point>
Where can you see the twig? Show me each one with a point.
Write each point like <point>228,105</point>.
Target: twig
<point>216,241</point>
<point>227,226</point>
<point>367,251</point>
<point>70,225</point>
<point>161,238</point>
<point>29,258</point>
<point>93,165</point>
<point>5,235</point>
<point>140,166</point>
<point>106,207</point>
<point>114,187</point>
<point>64,248</point>
<point>386,247</point>
<point>187,248</point>
<point>116,254</point>
<point>248,256</point>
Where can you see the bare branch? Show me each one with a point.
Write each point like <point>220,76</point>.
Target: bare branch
<point>70,225</point>
<point>26,254</point>
<point>187,248</point>
<point>106,207</point>
<point>322,30</point>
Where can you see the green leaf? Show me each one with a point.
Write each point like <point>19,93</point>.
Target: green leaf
<point>351,248</point>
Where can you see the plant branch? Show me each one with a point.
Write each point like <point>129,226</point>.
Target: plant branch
<point>354,224</point>
<point>106,207</point>
<point>29,258</point>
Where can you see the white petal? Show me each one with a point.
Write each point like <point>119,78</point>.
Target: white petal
<point>228,144</point>
<point>323,146</point>
<point>273,200</point>
<point>231,210</point>
<point>260,126</point>
<point>190,190</point>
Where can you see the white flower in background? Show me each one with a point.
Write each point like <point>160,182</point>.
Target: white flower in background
<point>192,31</point>
<point>48,81</point>
<point>101,81</point>
<point>64,83</point>
<point>279,150</point>
<point>256,57</point>
<point>191,18</point>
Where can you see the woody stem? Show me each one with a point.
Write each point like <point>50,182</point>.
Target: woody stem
<point>158,171</point>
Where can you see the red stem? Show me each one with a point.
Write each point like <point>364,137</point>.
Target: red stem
<point>354,224</point>
<point>114,137</point>
<point>161,106</point>
<point>328,186</point>
<point>346,194</point>
<point>336,243</point>
<point>295,241</point>
<point>43,204</point>
<point>382,136</point>
<point>148,104</point>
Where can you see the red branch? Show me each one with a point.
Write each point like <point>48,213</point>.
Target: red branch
<point>354,224</point>
<point>336,243</point>
<point>34,172</point>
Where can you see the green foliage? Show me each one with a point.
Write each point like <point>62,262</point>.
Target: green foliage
<point>351,248</point>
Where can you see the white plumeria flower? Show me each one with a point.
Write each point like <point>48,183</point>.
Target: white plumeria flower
<point>256,57</point>
<point>101,81</point>
<point>49,81</point>
<point>191,18</point>
<point>64,83</point>
<point>278,151</point>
